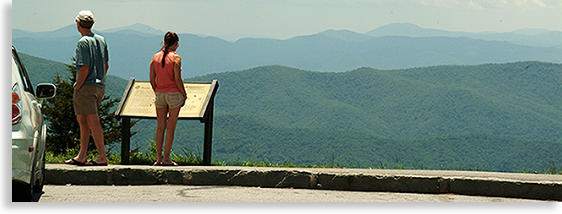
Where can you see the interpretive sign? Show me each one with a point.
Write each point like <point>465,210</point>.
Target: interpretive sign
<point>138,102</point>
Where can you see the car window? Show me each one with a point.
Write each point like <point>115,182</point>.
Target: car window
<point>27,86</point>
<point>15,73</point>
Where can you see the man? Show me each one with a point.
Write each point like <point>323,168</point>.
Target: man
<point>92,63</point>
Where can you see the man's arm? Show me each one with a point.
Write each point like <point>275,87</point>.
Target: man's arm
<point>81,77</point>
<point>81,55</point>
<point>106,67</point>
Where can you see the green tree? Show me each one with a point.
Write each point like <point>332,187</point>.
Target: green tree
<point>63,131</point>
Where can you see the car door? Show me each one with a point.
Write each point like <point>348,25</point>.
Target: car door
<point>35,114</point>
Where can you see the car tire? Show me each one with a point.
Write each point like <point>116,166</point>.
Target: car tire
<point>38,182</point>
<point>21,192</point>
<point>38,187</point>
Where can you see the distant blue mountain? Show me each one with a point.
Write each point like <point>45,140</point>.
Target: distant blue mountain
<point>529,37</point>
<point>393,46</point>
<point>59,33</point>
<point>70,31</point>
<point>140,29</point>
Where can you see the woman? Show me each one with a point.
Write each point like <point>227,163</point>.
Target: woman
<point>166,81</point>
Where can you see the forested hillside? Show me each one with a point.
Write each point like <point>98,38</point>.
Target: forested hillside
<point>42,71</point>
<point>496,117</point>
<point>238,139</point>
<point>499,117</point>
<point>516,99</point>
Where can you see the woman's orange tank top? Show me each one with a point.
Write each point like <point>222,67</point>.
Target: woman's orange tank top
<point>165,79</point>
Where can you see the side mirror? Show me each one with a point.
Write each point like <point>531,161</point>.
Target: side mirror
<point>46,91</point>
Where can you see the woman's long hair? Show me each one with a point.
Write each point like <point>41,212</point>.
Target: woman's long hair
<point>169,39</point>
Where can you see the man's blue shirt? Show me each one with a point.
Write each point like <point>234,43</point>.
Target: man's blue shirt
<point>92,51</point>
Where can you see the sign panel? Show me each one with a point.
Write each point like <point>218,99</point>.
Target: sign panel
<point>139,100</point>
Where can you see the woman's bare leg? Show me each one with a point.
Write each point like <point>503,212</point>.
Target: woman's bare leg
<point>162,119</point>
<point>170,130</point>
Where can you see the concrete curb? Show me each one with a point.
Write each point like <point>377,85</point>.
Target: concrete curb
<point>513,185</point>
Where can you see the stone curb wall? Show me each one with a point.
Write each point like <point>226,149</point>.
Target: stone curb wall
<point>308,180</point>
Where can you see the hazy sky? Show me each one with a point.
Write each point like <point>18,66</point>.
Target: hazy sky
<point>283,19</point>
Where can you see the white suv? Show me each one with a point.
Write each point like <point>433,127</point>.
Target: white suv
<point>28,132</point>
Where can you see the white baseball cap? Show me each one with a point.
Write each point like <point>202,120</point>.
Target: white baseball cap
<point>85,15</point>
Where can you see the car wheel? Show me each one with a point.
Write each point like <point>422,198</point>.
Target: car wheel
<point>38,187</point>
<point>21,192</point>
<point>38,182</point>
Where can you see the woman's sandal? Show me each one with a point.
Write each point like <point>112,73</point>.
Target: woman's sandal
<point>93,163</point>
<point>169,164</point>
<point>75,162</point>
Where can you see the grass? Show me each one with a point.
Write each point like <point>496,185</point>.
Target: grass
<point>137,157</point>
<point>186,157</point>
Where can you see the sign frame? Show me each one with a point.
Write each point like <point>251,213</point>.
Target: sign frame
<point>205,116</point>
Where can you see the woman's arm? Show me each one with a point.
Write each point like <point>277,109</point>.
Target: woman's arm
<point>152,75</point>
<point>177,75</point>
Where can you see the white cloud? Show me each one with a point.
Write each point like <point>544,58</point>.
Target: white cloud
<point>288,18</point>
<point>474,5</point>
<point>487,4</point>
<point>539,3</point>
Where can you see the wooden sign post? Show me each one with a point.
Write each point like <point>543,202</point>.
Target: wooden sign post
<point>138,102</point>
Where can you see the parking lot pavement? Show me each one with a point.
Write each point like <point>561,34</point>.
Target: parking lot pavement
<point>186,193</point>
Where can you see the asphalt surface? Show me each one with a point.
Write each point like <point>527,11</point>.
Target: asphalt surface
<point>187,193</point>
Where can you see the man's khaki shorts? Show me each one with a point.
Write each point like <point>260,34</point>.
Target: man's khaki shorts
<point>169,99</point>
<point>88,99</point>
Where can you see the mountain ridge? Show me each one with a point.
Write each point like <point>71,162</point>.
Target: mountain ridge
<point>391,93</point>
<point>330,51</point>
<point>70,31</point>
<point>494,117</point>
<point>518,36</point>
<point>531,90</point>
